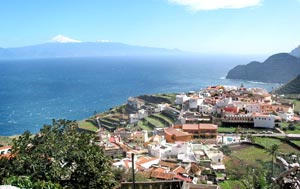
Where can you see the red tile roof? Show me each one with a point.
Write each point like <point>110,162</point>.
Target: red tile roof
<point>5,147</point>
<point>179,169</point>
<point>145,159</point>
<point>199,126</point>
<point>160,175</point>
<point>172,131</point>
<point>183,178</point>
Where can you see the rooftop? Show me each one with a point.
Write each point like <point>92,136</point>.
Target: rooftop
<point>173,131</point>
<point>199,126</point>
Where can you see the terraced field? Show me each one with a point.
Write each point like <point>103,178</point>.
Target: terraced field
<point>292,87</point>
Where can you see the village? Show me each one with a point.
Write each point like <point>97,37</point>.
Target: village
<point>190,149</point>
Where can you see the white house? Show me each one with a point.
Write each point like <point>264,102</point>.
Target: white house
<point>264,121</point>
<point>215,155</point>
<point>205,109</point>
<point>287,116</point>
<point>133,118</point>
<point>135,103</point>
<point>158,150</point>
<point>5,150</point>
<point>239,104</point>
<point>146,162</point>
<point>224,102</point>
<point>142,113</point>
<point>195,101</point>
<point>180,99</point>
<point>253,108</point>
<point>160,107</point>
<point>164,150</point>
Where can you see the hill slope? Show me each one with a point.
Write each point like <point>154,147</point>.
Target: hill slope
<point>292,87</point>
<point>296,52</point>
<point>278,68</point>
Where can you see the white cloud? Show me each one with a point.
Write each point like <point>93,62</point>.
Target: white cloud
<point>63,39</point>
<point>217,4</point>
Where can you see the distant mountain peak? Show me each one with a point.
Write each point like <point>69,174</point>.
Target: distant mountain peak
<point>296,52</point>
<point>63,39</point>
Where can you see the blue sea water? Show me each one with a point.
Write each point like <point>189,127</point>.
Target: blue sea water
<point>33,92</point>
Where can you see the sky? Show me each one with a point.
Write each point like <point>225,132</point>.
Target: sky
<point>204,26</point>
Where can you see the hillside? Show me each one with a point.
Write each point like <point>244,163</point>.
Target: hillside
<point>82,49</point>
<point>118,117</point>
<point>292,87</point>
<point>296,52</point>
<point>278,68</point>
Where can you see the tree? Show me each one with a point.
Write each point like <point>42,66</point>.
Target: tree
<point>272,151</point>
<point>226,150</point>
<point>251,138</point>
<point>59,156</point>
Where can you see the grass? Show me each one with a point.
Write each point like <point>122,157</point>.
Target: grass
<point>143,126</point>
<point>295,131</point>
<point>268,142</point>
<point>87,126</point>
<point>244,156</point>
<point>251,154</point>
<point>6,140</point>
<point>297,142</point>
<point>297,105</point>
<point>231,184</point>
<point>226,129</point>
<point>155,122</point>
<point>237,162</point>
<point>167,119</point>
<point>240,130</point>
<point>171,97</point>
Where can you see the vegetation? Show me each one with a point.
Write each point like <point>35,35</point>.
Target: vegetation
<point>247,168</point>
<point>6,141</point>
<point>87,126</point>
<point>273,150</point>
<point>57,157</point>
<point>267,143</point>
<point>292,87</point>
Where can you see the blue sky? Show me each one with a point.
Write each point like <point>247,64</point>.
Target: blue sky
<point>206,26</point>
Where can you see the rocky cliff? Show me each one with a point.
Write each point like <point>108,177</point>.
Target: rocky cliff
<point>278,68</point>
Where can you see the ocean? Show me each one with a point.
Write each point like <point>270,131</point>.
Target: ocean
<point>33,92</point>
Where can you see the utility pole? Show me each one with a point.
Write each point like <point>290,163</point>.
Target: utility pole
<point>133,175</point>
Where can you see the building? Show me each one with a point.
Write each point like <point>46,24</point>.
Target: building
<point>205,109</point>
<point>135,103</point>
<point>180,99</point>
<point>133,118</point>
<point>253,108</point>
<point>5,150</point>
<point>237,120</point>
<point>195,101</point>
<point>165,150</point>
<point>172,135</point>
<point>264,121</point>
<point>140,136</point>
<point>232,109</point>
<point>160,107</point>
<point>202,130</point>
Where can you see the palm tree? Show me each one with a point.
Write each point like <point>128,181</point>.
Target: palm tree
<point>273,151</point>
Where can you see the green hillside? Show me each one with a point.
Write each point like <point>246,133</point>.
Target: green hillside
<point>292,87</point>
